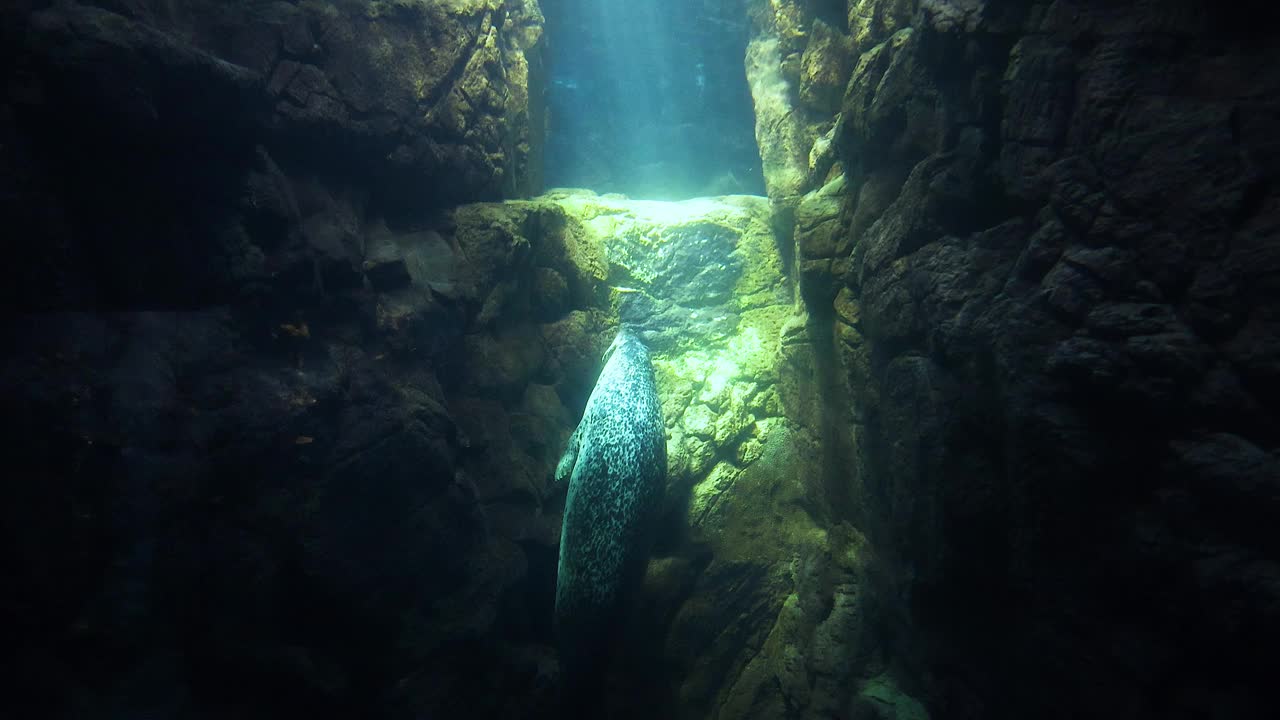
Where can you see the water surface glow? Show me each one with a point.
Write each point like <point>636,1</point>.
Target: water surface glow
<point>650,99</point>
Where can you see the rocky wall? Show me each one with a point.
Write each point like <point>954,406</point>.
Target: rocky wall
<point>751,579</point>
<point>796,64</point>
<point>344,504</point>
<point>244,512</point>
<point>284,417</point>
<point>266,135</point>
<point>248,469</point>
<point>1048,272</point>
<point>283,420</point>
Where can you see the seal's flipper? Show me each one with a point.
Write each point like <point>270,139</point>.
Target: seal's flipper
<point>565,467</point>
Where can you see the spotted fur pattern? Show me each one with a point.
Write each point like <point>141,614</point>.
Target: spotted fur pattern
<point>616,464</point>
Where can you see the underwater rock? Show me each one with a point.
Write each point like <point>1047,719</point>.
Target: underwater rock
<point>817,232</point>
<point>784,148</point>
<point>1010,373</point>
<point>819,237</point>
<point>387,274</point>
<point>774,569</point>
<point>503,360</point>
<point>137,73</point>
<point>1009,312</point>
<point>699,421</point>
<point>824,68</point>
<point>684,271</point>
<point>550,294</point>
<point>353,82</point>
<point>880,699</point>
<point>704,279</point>
<point>871,21</point>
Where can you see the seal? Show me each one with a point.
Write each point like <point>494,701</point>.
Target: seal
<point>616,465</point>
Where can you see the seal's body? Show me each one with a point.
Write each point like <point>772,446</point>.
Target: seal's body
<point>616,465</point>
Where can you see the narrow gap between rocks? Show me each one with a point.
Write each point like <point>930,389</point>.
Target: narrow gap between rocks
<point>649,99</point>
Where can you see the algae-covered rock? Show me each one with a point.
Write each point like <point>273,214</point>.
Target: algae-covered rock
<point>710,490</point>
<point>549,294</point>
<point>524,257</point>
<point>798,64</point>
<point>774,621</point>
<point>733,420</point>
<point>700,456</point>
<point>816,641</point>
<point>873,100</point>
<point>699,421</point>
<point>574,345</point>
<point>784,145</point>
<point>777,619</point>
<point>824,68</point>
<point>503,360</point>
<point>871,21</point>
<point>796,390</point>
<point>683,272</point>
<point>818,231</point>
<point>880,699</point>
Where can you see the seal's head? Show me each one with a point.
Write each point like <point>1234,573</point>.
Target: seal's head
<point>625,337</point>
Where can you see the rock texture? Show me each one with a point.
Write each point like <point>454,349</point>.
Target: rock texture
<point>255,475</point>
<point>1048,284</point>
<point>751,578</point>
<point>973,417</point>
<point>329,507</point>
<point>341,501</point>
<point>797,64</point>
<point>264,134</point>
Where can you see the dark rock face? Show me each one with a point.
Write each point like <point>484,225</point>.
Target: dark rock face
<point>334,510</point>
<point>1062,219</point>
<point>235,125</point>
<point>249,476</point>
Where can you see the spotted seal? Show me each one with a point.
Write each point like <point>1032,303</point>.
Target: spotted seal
<point>616,464</point>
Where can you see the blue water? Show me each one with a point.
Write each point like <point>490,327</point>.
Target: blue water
<point>649,98</point>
